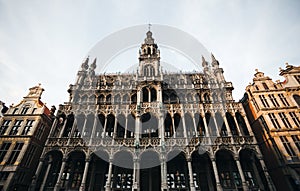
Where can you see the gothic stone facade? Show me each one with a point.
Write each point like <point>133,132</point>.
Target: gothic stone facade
<point>273,111</point>
<point>186,123</point>
<point>24,129</point>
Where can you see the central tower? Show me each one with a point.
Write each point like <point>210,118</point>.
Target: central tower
<point>149,58</point>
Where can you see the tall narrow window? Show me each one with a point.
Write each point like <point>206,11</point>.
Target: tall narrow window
<point>14,130</point>
<point>287,146</point>
<point>4,126</point>
<point>296,140</point>
<point>283,100</point>
<point>273,100</point>
<point>27,127</point>
<point>274,120</point>
<point>30,155</point>
<point>265,86</point>
<point>40,131</point>
<point>24,110</point>
<point>3,150</point>
<point>285,120</point>
<point>15,153</point>
<point>295,119</point>
<point>264,101</point>
<point>255,104</point>
<point>263,122</point>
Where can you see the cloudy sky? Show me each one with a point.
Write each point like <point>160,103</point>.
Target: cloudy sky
<point>46,41</point>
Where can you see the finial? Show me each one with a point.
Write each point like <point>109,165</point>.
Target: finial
<point>213,57</point>
<point>203,59</point>
<point>149,26</point>
<point>39,84</point>
<point>256,70</point>
<point>286,63</point>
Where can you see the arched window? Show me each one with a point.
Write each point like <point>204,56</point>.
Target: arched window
<point>108,99</point>
<point>133,99</point>
<point>166,98</point>
<point>101,99</point>
<point>242,123</point>
<point>168,126</point>
<point>117,98</point>
<point>110,125</point>
<point>206,98</point>
<point>221,124</point>
<point>231,124</point>
<point>125,99</point>
<point>200,124</point>
<point>211,124</point>
<point>153,95</point>
<point>145,94</point>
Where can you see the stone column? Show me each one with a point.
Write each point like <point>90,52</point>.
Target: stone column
<point>247,125</point>
<point>108,182</point>
<point>136,174</point>
<point>126,126</point>
<point>163,169</point>
<point>244,183</point>
<point>84,126</point>
<point>85,173</point>
<point>36,175</point>
<point>195,125</point>
<point>189,162</point>
<point>219,187</point>
<point>238,126</point>
<point>47,173</point>
<point>205,126</point>
<point>63,128</point>
<point>269,180</point>
<point>93,130</point>
<point>227,125</point>
<point>62,168</point>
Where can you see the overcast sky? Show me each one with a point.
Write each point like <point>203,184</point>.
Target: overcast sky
<point>46,41</point>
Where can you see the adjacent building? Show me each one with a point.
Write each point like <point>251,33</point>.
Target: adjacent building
<point>23,132</point>
<point>273,111</point>
<point>151,130</point>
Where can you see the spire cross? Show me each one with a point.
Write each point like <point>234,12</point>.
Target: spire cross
<point>149,26</point>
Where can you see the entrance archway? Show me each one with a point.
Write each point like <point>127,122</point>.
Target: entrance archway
<point>150,171</point>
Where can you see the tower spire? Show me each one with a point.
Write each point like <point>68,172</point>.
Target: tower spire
<point>149,27</point>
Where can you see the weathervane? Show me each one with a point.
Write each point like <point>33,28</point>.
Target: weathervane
<point>149,26</point>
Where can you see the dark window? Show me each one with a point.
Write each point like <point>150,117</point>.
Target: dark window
<point>30,155</point>
<point>264,101</point>
<point>3,150</point>
<point>4,176</point>
<point>24,110</point>
<point>255,104</point>
<point>265,86</point>
<point>15,153</point>
<point>285,120</point>
<point>274,120</point>
<point>295,119</point>
<point>297,99</point>
<point>4,126</point>
<point>296,140</point>
<point>27,127</point>
<point>273,100</point>
<point>40,131</point>
<point>283,100</point>
<point>297,78</point>
<point>287,146</point>
<point>14,130</point>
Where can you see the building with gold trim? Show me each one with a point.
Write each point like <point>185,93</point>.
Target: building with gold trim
<point>273,111</point>
<point>23,132</point>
